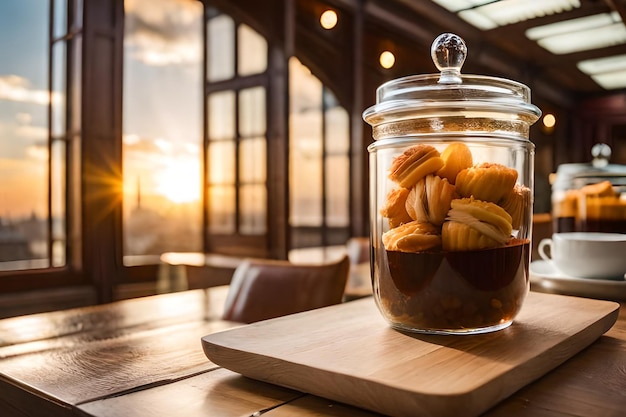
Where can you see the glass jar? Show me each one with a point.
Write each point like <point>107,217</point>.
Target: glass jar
<point>590,197</point>
<point>451,186</point>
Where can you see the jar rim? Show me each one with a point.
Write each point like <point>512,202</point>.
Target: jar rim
<point>430,138</point>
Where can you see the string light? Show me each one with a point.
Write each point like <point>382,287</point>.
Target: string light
<point>387,59</point>
<point>328,19</point>
<point>549,120</point>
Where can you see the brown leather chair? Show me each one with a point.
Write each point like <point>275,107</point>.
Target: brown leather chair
<point>262,289</point>
<point>358,249</point>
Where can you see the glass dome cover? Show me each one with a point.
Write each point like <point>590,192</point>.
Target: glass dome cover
<point>450,91</point>
<point>575,175</point>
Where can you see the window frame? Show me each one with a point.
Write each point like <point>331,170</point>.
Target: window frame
<point>70,273</point>
<point>94,138</point>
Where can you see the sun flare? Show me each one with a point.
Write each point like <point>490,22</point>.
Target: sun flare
<point>179,182</point>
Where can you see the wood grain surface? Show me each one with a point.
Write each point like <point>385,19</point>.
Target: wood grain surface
<point>143,357</point>
<point>215,393</point>
<point>101,323</point>
<point>86,371</point>
<point>348,353</point>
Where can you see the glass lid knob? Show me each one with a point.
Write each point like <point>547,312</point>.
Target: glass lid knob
<point>448,53</point>
<point>601,153</point>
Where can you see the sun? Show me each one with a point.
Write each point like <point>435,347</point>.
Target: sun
<point>179,182</point>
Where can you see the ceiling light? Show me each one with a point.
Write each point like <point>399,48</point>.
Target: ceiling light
<point>328,19</point>
<point>585,40</point>
<point>456,5</point>
<point>609,72</point>
<point>600,65</point>
<point>477,19</point>
<point>489,14</point>
<point>572,25</point>
<point>611,80</point>
<point>387,59</point>
<point>582,34</point>
<point>549,120</point>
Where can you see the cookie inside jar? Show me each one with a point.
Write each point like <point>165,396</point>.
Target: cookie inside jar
<point>453,261</point>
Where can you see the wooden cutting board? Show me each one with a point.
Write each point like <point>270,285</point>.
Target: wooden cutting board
<point>348,353</point>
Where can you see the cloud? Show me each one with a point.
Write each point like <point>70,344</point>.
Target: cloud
<point>160,32</point>
<point>32,133</point>
<point>19,137</point>
<point>37,153</point>
<point>157,147</point>
<point>16,88</point>
<point>137,143</point>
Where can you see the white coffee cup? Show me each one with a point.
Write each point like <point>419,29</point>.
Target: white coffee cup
<point>586,254</point>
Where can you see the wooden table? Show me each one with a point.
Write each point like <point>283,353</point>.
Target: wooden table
<point>143,357</point>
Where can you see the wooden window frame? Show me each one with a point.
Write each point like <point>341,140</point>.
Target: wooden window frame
<point>94,150</point>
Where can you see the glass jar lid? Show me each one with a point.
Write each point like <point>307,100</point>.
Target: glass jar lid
<point>450,91</point>
<point>576,175</point>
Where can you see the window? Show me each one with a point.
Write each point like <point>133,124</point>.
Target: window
<point>162,131</point>
<point>236,149</point>
<point>237,192</point>
<point>252,160</point>
<point>38,132</point>
<point>319,160</point>
<point>135,127</point>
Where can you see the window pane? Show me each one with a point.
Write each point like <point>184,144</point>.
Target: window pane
<point>76,85</point>
<point>73,210</point>
<point>221,115</point>
<point>305,124</point>
<point>24,135</point>
<point>252,52</point>
<point>253,209</point>
<point>337,137</point>
<point>57,196</point>
<point>77,6</point>
<point>337,190</point>
<point>221,162</point>
<point>221,48</point>
<point>162,127</point>
<point>60,18</point>
<point>57,124</point>
<point>221,210</point>
<point>252,160</point>
<point>337,130</point>
<point>252,111</point>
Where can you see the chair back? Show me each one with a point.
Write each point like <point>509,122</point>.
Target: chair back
<point>358,249</point>
<point>262,289</point>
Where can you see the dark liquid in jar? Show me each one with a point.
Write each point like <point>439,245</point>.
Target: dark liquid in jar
<point>597,225</point>
<point>455,290</point>
<point>570,224</point>
<point>564,224</point>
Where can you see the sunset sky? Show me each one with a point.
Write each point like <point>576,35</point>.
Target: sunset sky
<point>23,100</point>
<point>163,98</point>
<point>162,111</point>
<point>162,102</point>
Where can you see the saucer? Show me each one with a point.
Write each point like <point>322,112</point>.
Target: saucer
<point>545,278</point>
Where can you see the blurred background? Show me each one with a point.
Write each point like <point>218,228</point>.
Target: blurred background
<point>134,128</point>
